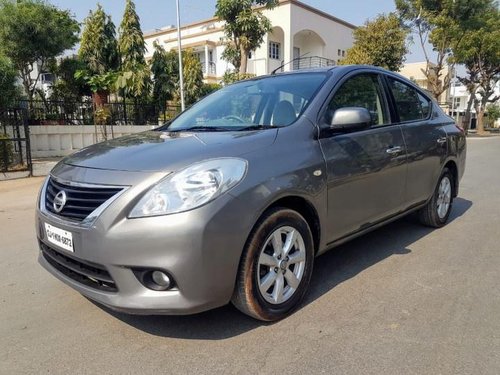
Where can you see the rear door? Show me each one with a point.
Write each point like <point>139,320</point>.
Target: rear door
<point>366,168</point>
<point>425,138</point>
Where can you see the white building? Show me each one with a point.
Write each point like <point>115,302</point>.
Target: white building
<point>459,96</point>
<point>45,80</point>
<point>299,30</point>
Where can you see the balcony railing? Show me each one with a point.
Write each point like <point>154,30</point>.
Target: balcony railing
<point>212,71</point>
<point>310,62</point>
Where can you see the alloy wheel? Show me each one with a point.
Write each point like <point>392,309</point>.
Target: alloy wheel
<point>281,265</point>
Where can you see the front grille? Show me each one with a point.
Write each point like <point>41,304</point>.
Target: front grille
<point>89,274</point>
<point>80,201</point>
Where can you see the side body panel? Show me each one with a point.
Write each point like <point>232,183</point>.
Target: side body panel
<point>426,144</point>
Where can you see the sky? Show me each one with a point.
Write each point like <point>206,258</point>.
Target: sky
<point>155,14</point>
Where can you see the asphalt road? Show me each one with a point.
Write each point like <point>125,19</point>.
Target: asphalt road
<point>402,300</point>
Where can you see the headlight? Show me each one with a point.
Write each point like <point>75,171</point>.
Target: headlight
<point>190,188</point>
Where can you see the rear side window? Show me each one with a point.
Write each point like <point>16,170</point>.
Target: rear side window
<point>410,104</point>
<point>425,104</point>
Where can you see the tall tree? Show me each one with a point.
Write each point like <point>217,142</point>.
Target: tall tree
<point>479,51</point>
<point>131,43</point>
<point>380,42</point>
<point>98,46</point>
<point>443,24</point>
<point>135,74</point>
<point>245,28</point>
<point>164,69</point>
<point>32,33</point>
<point>193,77</point>
<point>9,90</point>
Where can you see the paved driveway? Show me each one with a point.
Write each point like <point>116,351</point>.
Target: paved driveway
<point>403,299</point>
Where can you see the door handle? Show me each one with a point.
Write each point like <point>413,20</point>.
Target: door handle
<point>441,140</point>
<point>394,150</point>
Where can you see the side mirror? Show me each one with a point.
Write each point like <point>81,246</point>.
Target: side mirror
<point>350,118</point>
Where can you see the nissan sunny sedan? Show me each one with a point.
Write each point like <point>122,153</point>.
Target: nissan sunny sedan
<point>233,199</point>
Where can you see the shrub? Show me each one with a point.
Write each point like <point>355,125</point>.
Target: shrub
<point>6,152</point>
<point>231,77</point>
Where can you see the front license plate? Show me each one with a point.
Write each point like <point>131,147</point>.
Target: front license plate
<point>59,237</point>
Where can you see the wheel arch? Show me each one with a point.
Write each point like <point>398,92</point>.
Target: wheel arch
<point>306,209</point>
<point>452,167</point>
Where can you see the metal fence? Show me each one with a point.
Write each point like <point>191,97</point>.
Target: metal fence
<point>15,151</point>
<point>53,112</point>
<point>310,62</point>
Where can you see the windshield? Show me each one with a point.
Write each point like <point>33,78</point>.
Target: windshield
<point>274,101</point>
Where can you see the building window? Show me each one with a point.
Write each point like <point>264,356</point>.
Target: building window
<point>343,53</point>
<point>274,50</point>
<point>339,52</point>
<point>456,102</point>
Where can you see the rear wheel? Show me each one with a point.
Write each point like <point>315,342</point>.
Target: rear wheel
<point>436,212</point>
<point>276,266</point>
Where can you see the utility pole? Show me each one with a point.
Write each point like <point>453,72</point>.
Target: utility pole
<point>181,74</point>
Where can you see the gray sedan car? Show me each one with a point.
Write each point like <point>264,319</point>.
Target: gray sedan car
<point>233,199</point>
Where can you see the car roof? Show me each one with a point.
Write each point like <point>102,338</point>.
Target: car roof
<point>341,70</point>
<point>337,68</point>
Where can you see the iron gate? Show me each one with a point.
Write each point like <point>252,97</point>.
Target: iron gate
<point>15,151</point>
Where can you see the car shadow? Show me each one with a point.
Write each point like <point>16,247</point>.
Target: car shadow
<point>334,267</point>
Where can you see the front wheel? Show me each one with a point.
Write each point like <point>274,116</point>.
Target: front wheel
<point>276,266</point>
<point>436,212</point>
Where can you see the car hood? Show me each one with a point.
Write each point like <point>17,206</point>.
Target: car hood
<point>168,151</point>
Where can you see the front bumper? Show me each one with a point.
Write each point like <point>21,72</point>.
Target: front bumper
<point>200,249</point>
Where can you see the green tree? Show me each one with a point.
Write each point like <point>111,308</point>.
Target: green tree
<point>67,89</point>
<point>164,70</point>
<point>33,32</point>
<point>99,51</point>
<point>131,42</point>
<point>493,111</point>
<point>245,28</point>
<point>479,52</point>
<point>135,79</point>
<point>380,42</point>
<point>98,46</point>
<point>9,90</point>
<point>193,77</point>
<point>443,24</point>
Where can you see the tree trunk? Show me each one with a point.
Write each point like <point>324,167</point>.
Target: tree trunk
<point>100,98</point>
<point>480,122</point>
<point>244,61</point>
<point>468,114</point>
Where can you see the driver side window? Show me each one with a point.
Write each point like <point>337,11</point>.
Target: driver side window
<point>363,91</point>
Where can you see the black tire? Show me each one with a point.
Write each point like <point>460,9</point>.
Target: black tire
<point>247,296</point>
<point>428,215</point>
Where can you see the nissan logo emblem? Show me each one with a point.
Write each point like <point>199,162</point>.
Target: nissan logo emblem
<point>59,201</point>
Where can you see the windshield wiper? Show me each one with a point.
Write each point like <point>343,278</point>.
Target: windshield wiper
<point>201,129</point>
<point>258,127</point>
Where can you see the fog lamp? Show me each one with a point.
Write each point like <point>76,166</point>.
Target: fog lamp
<point>161,279</point>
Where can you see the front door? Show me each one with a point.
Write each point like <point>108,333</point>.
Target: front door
<point>366,168</point>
